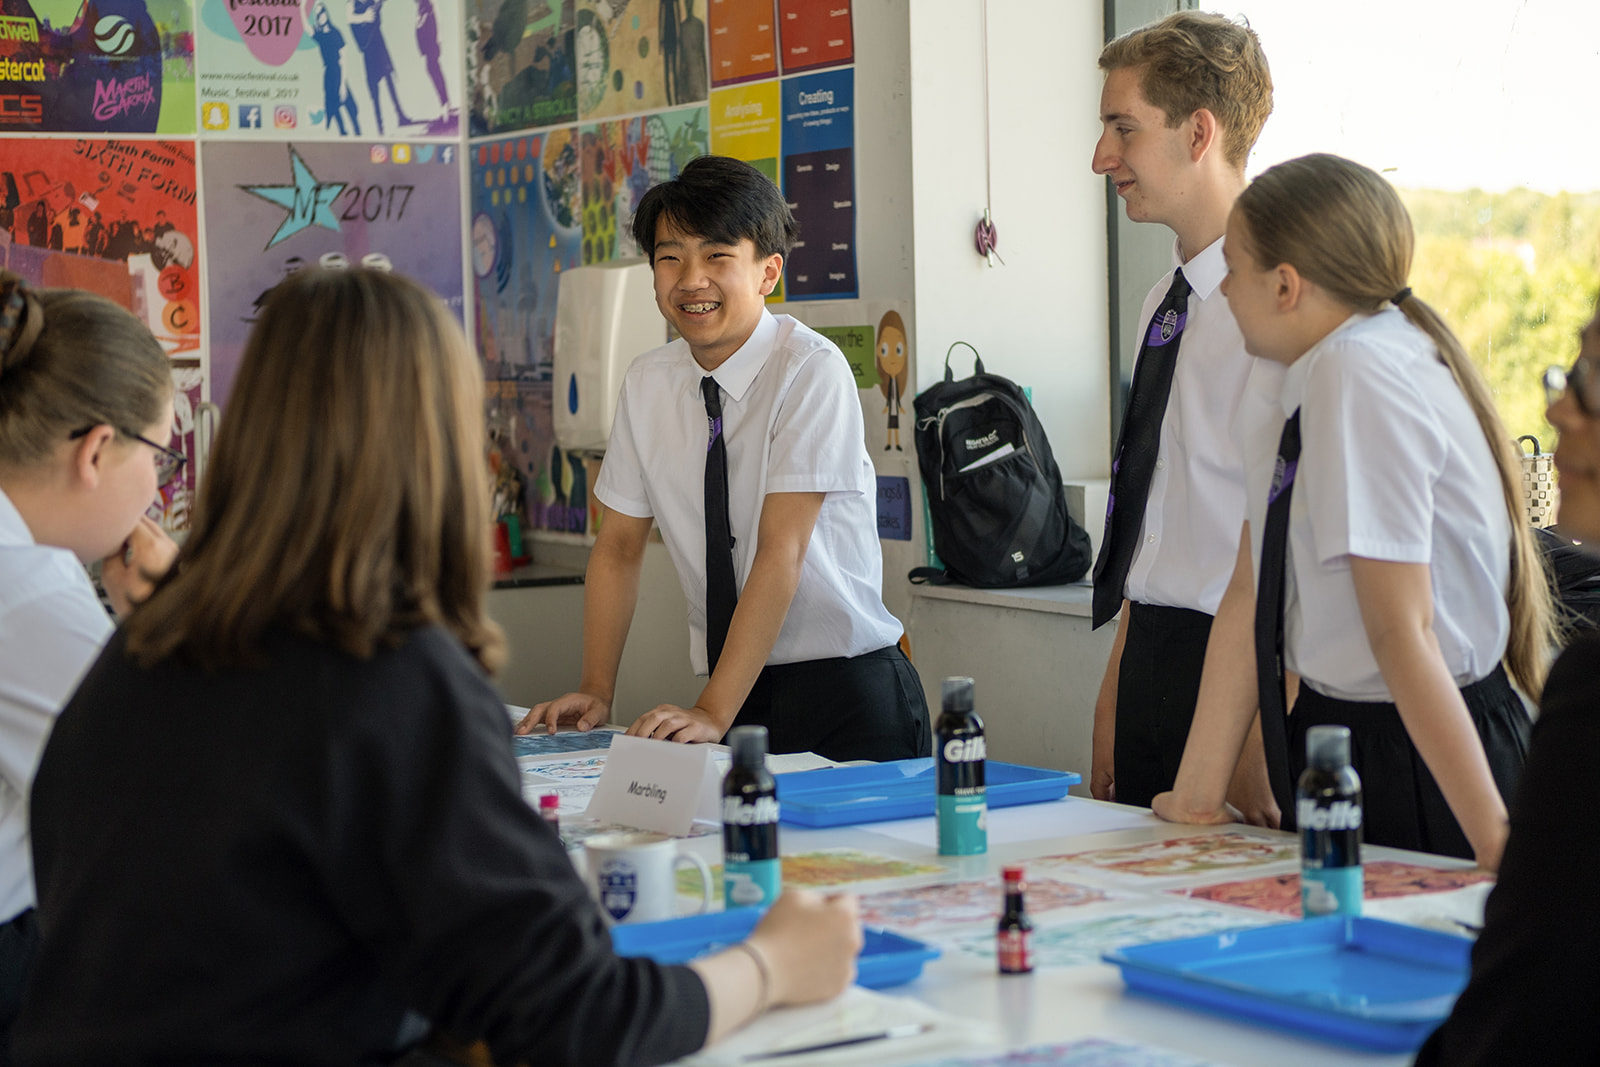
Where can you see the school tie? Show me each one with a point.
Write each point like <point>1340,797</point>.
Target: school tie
<point>1269,619</point>
<point>722,593</point>
<point>1137,445</point>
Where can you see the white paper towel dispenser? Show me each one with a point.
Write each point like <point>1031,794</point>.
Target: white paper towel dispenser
<point>605,316</point>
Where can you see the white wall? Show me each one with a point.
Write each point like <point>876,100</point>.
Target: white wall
<point>1041,319</point>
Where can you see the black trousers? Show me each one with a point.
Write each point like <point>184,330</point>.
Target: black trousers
<point>1402,804</point>
<point>1163,655</point>
<point>19,944</point>
<point>869,706</point>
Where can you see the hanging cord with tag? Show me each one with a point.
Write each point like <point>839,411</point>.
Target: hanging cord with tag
<point>985,238</point>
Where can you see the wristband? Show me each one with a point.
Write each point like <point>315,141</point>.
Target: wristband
<point>764,1000</point>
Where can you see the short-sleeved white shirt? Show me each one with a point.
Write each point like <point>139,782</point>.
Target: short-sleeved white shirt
<point>51,629</point>
<point>1393,466</point>
<point>1195,508</point>
<point>791,419</point>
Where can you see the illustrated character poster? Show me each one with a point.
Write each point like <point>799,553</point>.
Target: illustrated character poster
<point>291,205</point>
<point>525,231</point>
<point>621,161</point>
<point>520,68</point>
<point>330,68</point>
<point>638,55</point>
<point>819,182</point>
<point>96,66</point>
<point>117,218</point>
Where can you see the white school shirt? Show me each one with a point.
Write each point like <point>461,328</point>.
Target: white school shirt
<point>1192,517</point>
<point>51,629</point>
<point>1393,466</point>
<point>791,421</point>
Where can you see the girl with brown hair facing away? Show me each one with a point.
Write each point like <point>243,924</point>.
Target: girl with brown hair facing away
<point>1410,573</point>
<point>281,820</point>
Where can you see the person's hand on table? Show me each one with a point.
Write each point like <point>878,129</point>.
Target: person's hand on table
<point>668,722</point>
<point>579,710</point>
<point>811,942</point>
<point>129,574</point>
<point>1169,807</point>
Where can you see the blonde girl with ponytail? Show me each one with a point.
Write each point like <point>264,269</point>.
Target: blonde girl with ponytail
<point>1413,594</point>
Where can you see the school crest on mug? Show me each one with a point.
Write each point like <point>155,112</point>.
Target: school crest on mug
<point>619,888</point>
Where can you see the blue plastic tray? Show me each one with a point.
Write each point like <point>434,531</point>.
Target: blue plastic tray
<point>903,789</point>
<point>887,959</point>
<point>1364,982</point>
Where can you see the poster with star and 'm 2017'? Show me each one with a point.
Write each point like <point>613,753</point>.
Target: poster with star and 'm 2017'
<point>288,205</point>
<point>308,69</point>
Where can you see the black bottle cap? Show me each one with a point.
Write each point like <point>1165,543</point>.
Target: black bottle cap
<point>956,694</point>
<point>749,745</point>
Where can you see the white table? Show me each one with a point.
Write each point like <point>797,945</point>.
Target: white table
<point>1049,1005</point>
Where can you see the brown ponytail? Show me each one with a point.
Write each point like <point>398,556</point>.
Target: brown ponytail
<point>1343,227</point>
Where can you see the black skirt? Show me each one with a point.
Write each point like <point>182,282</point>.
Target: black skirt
<point>1402,804</point>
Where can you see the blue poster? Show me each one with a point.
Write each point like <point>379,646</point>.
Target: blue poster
<point>819,182</point>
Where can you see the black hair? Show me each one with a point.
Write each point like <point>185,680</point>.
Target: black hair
<point>719,199</point>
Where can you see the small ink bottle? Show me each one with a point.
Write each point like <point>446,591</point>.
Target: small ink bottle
<point>1011,939</point>
<point>549,811</point>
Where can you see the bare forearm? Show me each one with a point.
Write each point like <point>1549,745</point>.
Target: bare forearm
<point>611,589</point>
<point>757,621</point>
<point>1225,710</point>
<point>1436,718</point>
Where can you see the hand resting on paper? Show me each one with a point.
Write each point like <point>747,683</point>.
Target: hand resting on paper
<point>806,945</point>
<point>129,574</point>
<point>579,710</point>
<point>668,722</point>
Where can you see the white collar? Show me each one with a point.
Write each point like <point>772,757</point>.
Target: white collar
<point>740,369</point>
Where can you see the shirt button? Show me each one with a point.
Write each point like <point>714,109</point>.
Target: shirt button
<point>1161,464</point>
<point>1150,539</point>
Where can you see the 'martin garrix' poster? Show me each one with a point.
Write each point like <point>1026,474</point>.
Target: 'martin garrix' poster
<point>286,206</point>
<point>386,69</point>
<point>96,66</point>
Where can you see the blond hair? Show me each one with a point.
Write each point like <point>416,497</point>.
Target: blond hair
<point>347,497</point>
<point>69,360</point>
<point>1193,60</point>
<point>1342,227</point>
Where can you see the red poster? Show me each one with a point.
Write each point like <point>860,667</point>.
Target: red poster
<point>815,33</point>
<point>744,41</point>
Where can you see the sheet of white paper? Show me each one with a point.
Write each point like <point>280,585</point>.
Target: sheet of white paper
<point>854,1012</point>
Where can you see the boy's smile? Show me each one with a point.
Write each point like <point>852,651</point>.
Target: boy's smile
<point>712,293</point>
<point>1143,156</point>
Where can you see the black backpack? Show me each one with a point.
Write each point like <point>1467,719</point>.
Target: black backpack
<point>995,498</point>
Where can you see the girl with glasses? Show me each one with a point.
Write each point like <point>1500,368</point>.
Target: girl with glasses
<point>1405,589</point>
<point>281,820</point>
<point>85,391</point>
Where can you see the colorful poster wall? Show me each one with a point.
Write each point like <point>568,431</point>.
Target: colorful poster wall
<point>520,64</point>
<point>111,66</point>
<point>638,56</point>
<point>291,205</point>
<point>330,68</point>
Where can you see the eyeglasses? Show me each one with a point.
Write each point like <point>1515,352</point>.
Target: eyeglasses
<point>169,462</point>
<point>1580,378</point>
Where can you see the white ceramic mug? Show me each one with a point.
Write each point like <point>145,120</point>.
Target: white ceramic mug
<point>634,875</point>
